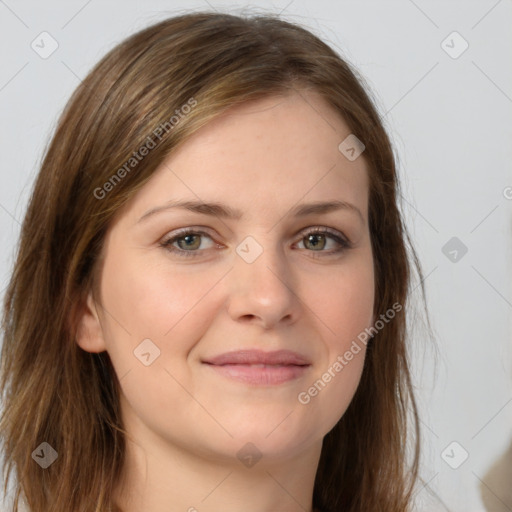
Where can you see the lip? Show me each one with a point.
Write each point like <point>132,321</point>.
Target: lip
<point>258,367</point>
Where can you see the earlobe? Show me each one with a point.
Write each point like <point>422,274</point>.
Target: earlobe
<point>89,333</point>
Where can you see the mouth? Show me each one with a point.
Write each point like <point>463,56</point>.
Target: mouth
<point>260,368</point>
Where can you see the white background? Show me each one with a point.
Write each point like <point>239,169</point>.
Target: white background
<point>450,120</point>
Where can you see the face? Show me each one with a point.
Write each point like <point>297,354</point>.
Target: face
<point>220,319</point>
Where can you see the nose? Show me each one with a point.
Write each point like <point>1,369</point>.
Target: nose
<point>262,291</point>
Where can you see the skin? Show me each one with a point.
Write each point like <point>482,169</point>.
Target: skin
<point>185,421</point>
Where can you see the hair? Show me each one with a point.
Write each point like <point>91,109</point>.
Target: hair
<point>55,392</point>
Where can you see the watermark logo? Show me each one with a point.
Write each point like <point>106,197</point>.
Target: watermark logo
<point>454,455</point>
<point>249,249</point>
<point>249,455</point>
<point>44,45</point>
<point>454,249</point>
<point>454,45</point>
<point>351,147</point>
<point>45,455</point>
<point>146,352</point>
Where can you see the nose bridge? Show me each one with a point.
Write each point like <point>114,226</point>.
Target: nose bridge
<point>260,281</point>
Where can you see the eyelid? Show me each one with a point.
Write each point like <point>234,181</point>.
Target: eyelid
<point>205,231</point>
<point>324,229</point>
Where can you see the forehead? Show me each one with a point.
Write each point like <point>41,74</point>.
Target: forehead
<point>274,151</point>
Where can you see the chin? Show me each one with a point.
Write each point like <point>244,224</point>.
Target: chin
<point>276,443</point>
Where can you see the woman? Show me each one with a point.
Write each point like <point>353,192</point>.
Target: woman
<point>207,310</point>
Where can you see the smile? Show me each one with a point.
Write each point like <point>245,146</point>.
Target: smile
<point>261,374</point>
<point>260,368</point>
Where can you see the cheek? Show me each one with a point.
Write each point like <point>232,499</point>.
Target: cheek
<point>144,300</point>
<point>345,309</point>
<point>346,304</point>
<point>169,307</point>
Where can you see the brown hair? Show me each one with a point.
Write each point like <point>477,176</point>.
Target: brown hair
<point>57,393</point>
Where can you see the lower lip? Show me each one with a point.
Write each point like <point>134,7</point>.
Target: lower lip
<point>260,375</point>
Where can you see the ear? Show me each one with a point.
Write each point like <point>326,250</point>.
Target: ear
<point>89,333</point>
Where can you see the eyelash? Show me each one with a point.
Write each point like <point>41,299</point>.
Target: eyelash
<point>343,243</point>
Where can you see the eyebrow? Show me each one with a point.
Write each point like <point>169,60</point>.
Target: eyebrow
<point>223,211</point>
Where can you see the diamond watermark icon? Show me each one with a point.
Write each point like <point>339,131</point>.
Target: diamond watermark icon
<point>249,455</point>
<point>351,147</point>
<point>249,250</point>
<point>44,45</point>
<point>454,249</point>
<point>454,455</point>
<point>44,455</point>
<point>454,45</point>
<point>146,352</point>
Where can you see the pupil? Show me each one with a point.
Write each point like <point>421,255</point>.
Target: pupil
<point>189,238</point>
<point>312,237</point>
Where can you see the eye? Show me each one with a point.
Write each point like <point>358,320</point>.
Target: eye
<point>188,242</point>
<point>317,239</point>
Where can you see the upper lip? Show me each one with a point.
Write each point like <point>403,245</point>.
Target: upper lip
<point>278,357</point>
